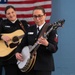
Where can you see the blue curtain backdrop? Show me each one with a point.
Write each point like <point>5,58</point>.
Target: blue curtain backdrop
<point>65,57</point>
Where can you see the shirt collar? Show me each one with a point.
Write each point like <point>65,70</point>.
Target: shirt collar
<point>14,21</point>
<point>40,26</point>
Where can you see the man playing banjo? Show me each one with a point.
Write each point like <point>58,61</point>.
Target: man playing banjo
<point>44,64</point>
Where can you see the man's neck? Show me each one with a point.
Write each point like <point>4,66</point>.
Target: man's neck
<point>14,21</point>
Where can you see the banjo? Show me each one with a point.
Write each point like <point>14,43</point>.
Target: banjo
<point>30,52</point>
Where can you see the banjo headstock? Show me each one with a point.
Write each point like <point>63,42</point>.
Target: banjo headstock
<point>58,24</point>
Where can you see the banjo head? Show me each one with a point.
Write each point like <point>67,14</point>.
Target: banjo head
<point>26,56</point>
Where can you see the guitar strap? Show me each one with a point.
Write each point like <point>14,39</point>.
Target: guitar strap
<point>21,25</point>
<point>43,30</point>
<point>41,34</point>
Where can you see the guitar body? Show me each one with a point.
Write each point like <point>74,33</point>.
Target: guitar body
<point>4,50</point>
<point>29,60</point>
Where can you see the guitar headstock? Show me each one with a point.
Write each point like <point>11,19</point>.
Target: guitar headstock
<point>58,24</point>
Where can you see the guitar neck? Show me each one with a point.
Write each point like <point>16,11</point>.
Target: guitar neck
<point>47,33</point>
<point>53,27</point>
<point>34,47</point>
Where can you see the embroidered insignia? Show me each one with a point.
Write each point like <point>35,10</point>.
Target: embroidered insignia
<point>56,38</point>
<point>30,33</point>
<point>7,26</point>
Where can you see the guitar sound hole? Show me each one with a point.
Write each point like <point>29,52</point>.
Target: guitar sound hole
<point>12,45</point>
<point>15,39</point>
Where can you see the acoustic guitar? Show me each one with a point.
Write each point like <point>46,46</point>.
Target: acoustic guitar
<point>30,52</point>
<point>6,48</point>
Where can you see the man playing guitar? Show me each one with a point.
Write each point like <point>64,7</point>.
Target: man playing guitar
<point>7,51</point>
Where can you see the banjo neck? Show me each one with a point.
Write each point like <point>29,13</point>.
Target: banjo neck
<point>53,27</point>
<point>34,47</point>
